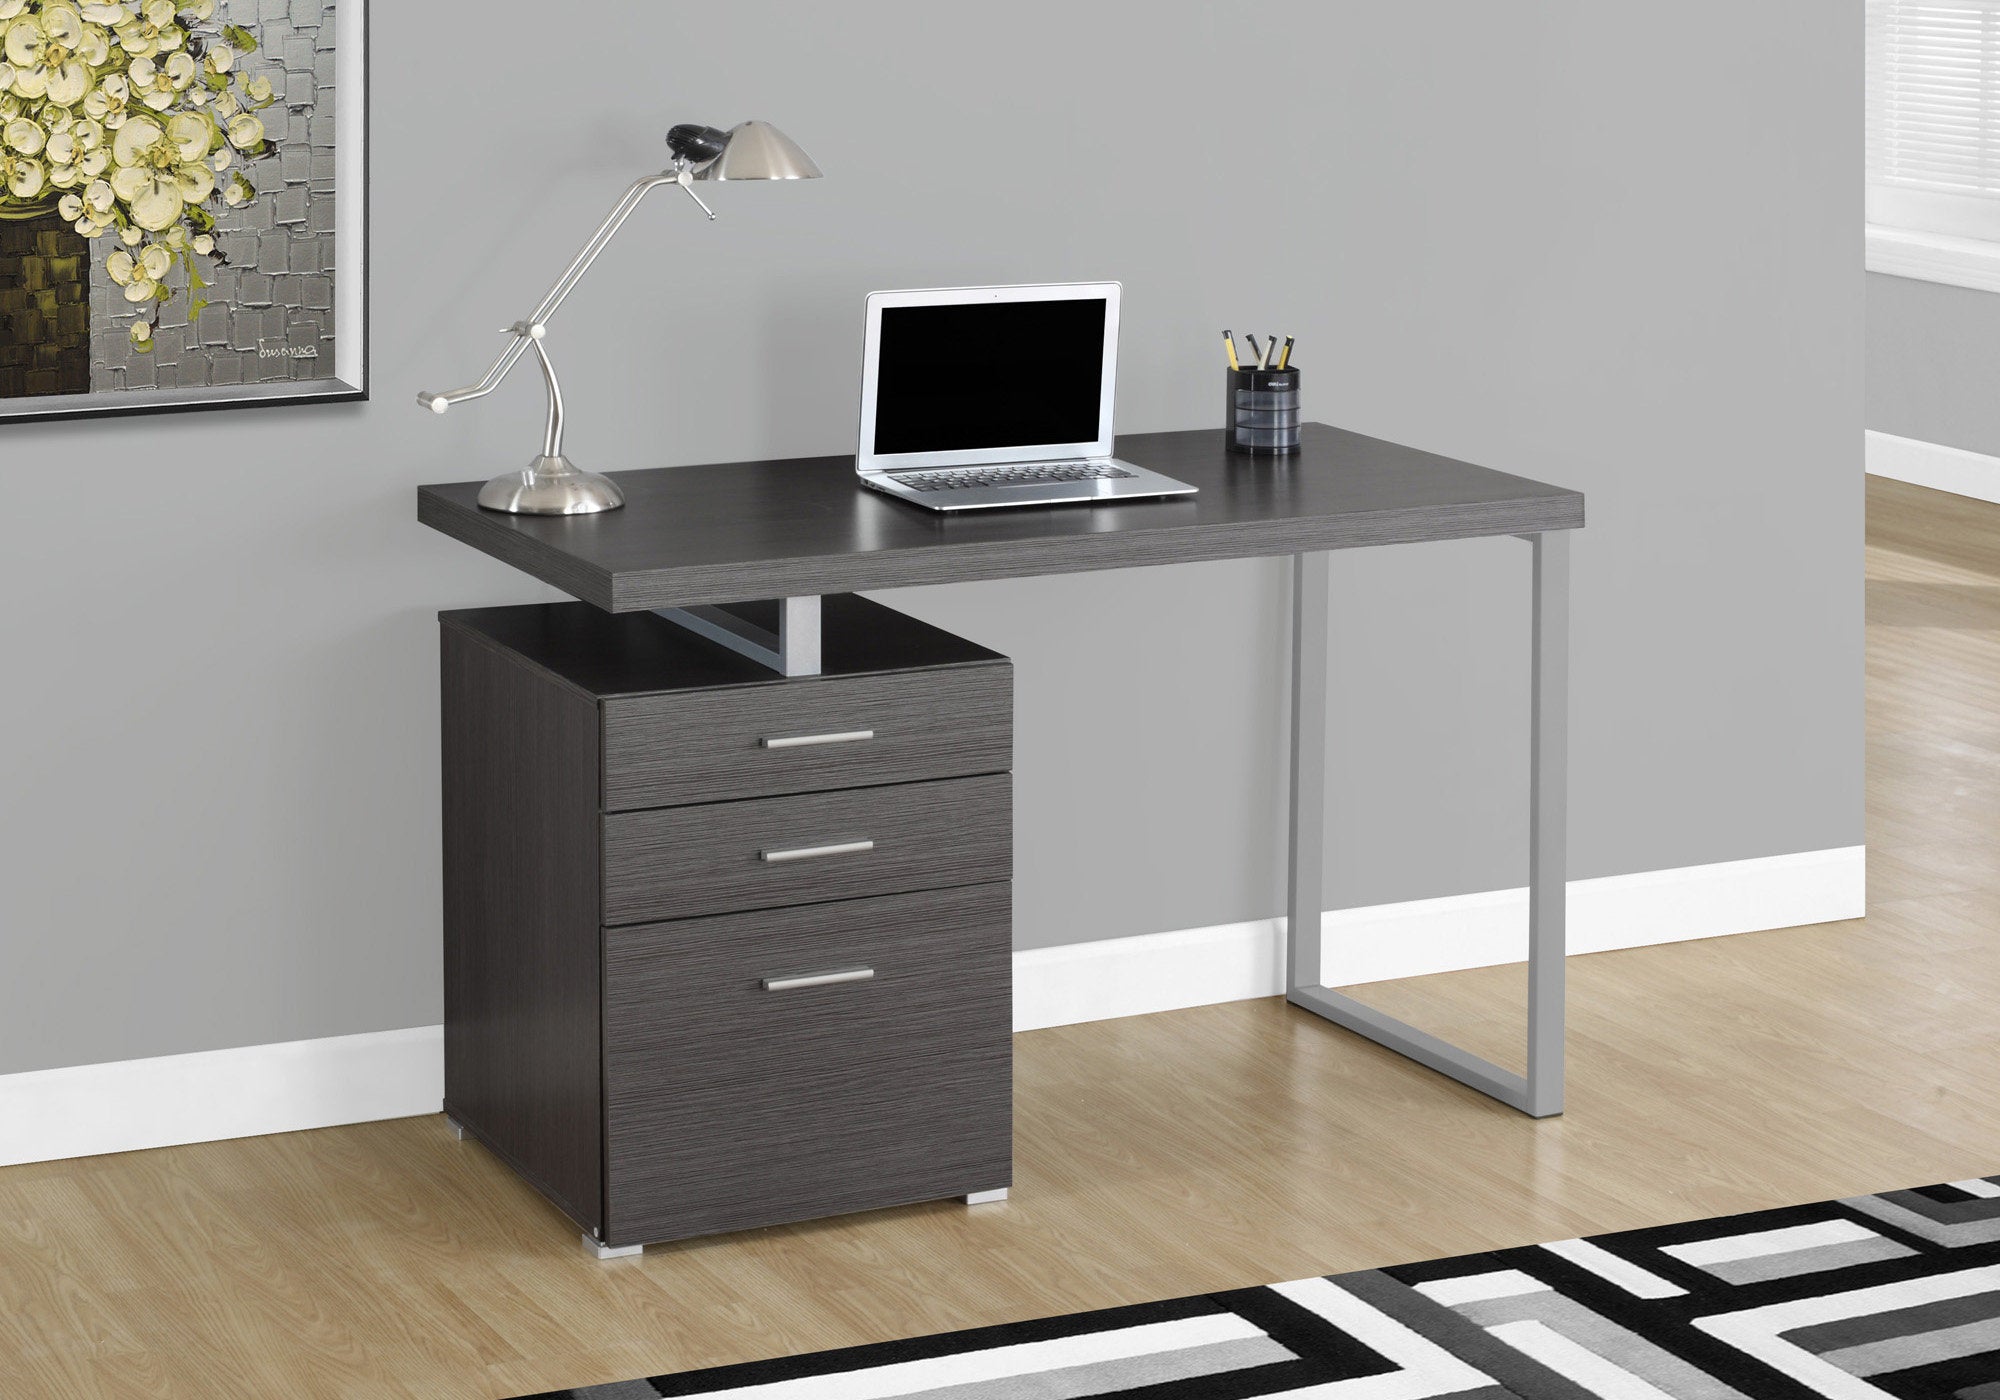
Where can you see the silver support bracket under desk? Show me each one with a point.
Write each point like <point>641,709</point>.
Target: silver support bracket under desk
<point>792,650</point>
<point>1540,1092</point>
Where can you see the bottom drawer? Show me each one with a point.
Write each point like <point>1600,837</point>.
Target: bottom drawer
<point>730,1104</point>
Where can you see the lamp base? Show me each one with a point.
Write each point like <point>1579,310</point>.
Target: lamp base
<point>551,486</point>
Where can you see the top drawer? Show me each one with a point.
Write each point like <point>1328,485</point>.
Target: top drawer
<point>807,734</point>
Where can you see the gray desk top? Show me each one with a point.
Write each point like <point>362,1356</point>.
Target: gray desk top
<point>737,531</point>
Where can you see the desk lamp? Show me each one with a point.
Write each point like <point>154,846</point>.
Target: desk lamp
<point>550,485</point>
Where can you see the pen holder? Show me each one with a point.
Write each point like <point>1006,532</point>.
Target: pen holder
<point>1262,419</point>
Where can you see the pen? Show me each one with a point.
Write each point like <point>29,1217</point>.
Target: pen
<point>1229,349</point>
<point>1256,355</point>
<point>1285,357</point>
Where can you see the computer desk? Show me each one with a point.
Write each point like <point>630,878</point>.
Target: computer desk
<point>692,538</point>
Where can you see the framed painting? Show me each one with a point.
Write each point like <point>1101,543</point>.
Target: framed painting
<point>183,204</point>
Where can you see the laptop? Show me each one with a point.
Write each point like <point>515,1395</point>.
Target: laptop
<point>982,398</point>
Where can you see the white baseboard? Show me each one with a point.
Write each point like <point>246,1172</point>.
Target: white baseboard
<point>133,1104</point>
<point>1230,962</point>
<point>1932,464</point>
<point>213,1094</point>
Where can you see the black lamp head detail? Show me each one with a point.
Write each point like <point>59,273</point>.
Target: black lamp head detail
<point>695,143</point>
<point>751,150</point>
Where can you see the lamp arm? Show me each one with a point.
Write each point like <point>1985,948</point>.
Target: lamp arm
<point>552,435</point>
<point>528,331</point>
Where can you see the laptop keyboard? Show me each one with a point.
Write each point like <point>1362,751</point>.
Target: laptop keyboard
<point>1021,474</point>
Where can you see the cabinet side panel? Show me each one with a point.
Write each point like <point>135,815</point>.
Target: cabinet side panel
<point>523,1049</point>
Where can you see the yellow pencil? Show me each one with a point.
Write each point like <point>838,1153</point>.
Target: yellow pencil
<point>1229,349</point>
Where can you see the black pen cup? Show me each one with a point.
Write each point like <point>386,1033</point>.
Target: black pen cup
<point>1263,415</point>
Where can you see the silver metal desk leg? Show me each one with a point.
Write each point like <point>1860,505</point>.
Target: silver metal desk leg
<point>1548,826</point>
<point>1305,887</point>
<point>1540,1092</point>
<point>792,650</point>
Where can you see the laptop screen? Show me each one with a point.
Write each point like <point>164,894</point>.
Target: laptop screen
<point>982,375</point>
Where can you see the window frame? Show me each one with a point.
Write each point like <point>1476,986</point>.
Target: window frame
<point>1953,258</point>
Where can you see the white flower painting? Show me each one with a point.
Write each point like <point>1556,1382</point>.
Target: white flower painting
<point>179,199</point>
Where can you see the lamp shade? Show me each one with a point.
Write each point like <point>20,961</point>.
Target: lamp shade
<point>759,151</point>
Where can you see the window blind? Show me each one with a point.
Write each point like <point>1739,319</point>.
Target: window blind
<point>1933,116</point>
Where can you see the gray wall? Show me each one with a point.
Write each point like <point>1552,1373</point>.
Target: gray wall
<point>1933,354</point>
<point>1491,227</point>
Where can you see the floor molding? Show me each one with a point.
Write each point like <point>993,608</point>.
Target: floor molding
<point>213,1094</point>
<point>1231,962</point>
<point>1932,464</point>
<point>46,1115</point>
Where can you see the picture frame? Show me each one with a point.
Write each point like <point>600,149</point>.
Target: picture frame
<point>186,225</point>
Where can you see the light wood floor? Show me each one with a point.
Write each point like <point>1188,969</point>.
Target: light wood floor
<point>1158,1156</point>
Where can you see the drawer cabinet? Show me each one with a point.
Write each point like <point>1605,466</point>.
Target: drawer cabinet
<point>712,959</point>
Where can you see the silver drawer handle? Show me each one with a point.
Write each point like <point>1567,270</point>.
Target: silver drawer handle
<point>818,979</point>
<point>843,848</point>
<point>800,741</point>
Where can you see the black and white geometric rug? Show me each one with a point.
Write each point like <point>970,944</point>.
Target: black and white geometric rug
<point>1877,1297</point>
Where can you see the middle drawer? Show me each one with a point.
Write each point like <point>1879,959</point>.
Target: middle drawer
<point>683,862</point>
